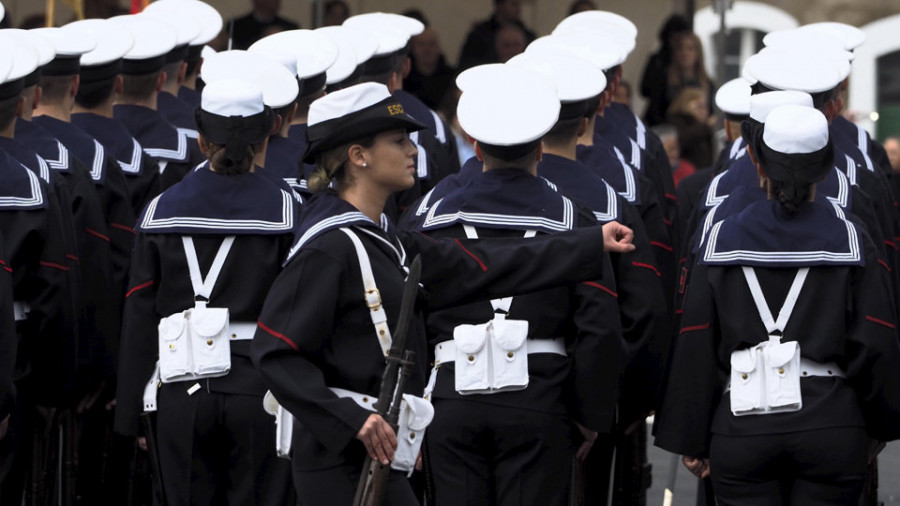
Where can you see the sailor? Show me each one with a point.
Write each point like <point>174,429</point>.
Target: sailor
<point>314,53</point>
<point>210,23</point>
<point>354,50</point>
<point>46,359</point>
<point>142,81</point>
<point>550,358</point>
<point>641,301</point>
<point>323,358</point>
<point>187,29</point>
<point>206,252</point>
<point>777,408</point>
<point>99,87</point>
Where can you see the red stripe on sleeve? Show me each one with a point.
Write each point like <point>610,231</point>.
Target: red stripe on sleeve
<point>278,335</point>
<point>646,266</point>
<point>53,266</point>
<point>605,289</point>
<point>480,263</point>
<point>95,233</point>
<point>891,244</point>
<point>667,222</point>
<point>71,257</point>
<point>884,264</point>
<point>693,328</point>
<point>671,197</point>
<point>661,245</point>
<point>122,227</point>
<point>139,287</point>
<point>880,322</point>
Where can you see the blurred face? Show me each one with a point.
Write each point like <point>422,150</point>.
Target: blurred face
<point>686,52</point>
<point>391,160</point>
<point>268,8</point>
<point>509,42</point>
<point>335,15</point>
<point>699,109</point>
<point>673,150</point>
<point>892,146</point>
<point>426,49</point>
<point>509,10</point>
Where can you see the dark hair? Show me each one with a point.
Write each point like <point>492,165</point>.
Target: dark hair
<point>223,164</point>
<point>791,195</point>
<point>192,67</point>
<point>331,164</point>
<point>578,6</point>
<point>416,14</point>
<point>563,131</point>
<point>92,94</point>
<point>55,88</point>
<point>674,23</point>
<point>171,70</point>
<point>283,112</point>
<point>8,109</point>
<point>520,154</point>
<point>139,87</point>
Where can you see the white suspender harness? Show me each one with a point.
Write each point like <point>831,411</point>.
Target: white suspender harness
<point>203,287</point>
<point>372,295</point>
<point>763,308</point>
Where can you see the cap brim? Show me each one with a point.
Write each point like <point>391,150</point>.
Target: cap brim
<point>340,132</point>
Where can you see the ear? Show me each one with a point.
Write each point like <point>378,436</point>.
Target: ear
<point>118,84</point>
<point>407,67</point>
<point>276,125</point>
<point>539,154</point>
<point>182,73</point>
<point>356,155</point>
<point>73,85</point>
<point>161,81</point>
<point>204,146</point>
<point>479,154</point>
<point>752,156</point>
<point>582,128</point>
<point>38,95</point>
<point>20,107</point>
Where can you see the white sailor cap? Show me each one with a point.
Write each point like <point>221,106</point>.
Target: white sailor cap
<point>794,129</point>
<point>790,70</point>
<point>353,113</point>
<point>851,36</point>
<point>286,59</point>
<point>577,81</point>
<point>601,50</point>
<point>389,36</point>
<point>804,40</point>
<point>207,51</point>
<point>497,108</point>
<point>314,52</point>
<point>615,25</point>
<point>24,62</point>
<point>763,103</point>
<point>475,76</point>
<point>354,49</point>
<point>208,19</point>
<point>733,98</point>
<point>187,29</point>
<point>2,11</point>
<point>153,39</point>
<point>6,61</point>
<point>45,47</point>
<point>114,40</point>
<point>232,97</point>
<point>69,45</point>
<point>389,20</point>
<point>278,84</point>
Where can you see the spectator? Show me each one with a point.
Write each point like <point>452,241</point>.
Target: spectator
<point>581,6</point>
<point>654,78</point>
<point>689,114</point>
<point>261,21</point>
<point>668,135</point>
<point>623,93</point>
<point>336,11</point>
<point>480,43</point>
<point>430,77</point>
<point>892,146</point>
<point>510,39</point>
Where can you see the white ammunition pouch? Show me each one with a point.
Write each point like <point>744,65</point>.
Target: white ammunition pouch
<point>194,344</point>
<point>415,415</point>
<point>765,379</point>
<point>21,310</point>
<point>284,425</point>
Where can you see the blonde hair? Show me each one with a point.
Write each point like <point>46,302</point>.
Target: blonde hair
<point>681,104</point>
<point>331,165</point>
<point>675,78</point>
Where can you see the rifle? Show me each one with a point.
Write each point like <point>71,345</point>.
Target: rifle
<point>159,494</point>
<point>372,481</point>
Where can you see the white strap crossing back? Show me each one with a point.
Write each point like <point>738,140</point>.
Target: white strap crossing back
<point>204,287</point>
<point>504,303</point>
<point>372,295</point>
<point>763,307</point>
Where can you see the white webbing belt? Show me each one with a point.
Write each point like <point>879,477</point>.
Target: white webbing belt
<point>364,401</point>
<point>446,351</point>
<point>372,295</point>
<point>241,331</point>
<point>21,310</point>
<point>807,367</point>
<point>203,287</point>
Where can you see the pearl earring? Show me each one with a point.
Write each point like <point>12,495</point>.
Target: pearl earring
<point>365,164</point>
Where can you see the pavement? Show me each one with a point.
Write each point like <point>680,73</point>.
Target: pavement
<point>686,484</point>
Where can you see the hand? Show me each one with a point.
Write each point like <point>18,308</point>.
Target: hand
<point>617,238</point>
<point>142,443</point>
<point>699,467</point>
<point>589,437</point>
<point>379,438</point>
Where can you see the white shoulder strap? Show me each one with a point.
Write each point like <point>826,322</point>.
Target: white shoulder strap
<point>204,287</point>
<point>763,308</point>
<point>504,303</point>
<point>372,295</point>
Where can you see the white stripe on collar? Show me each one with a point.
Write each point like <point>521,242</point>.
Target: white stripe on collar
<point>423,206</point>
<point>737,149</point>
<point>134,166</point>
<point>630,193</point>
<point>421,156</point>
<point>150,222</point>
<point>641,132</point>
<point>843,190</point>
<point>774,257</point>
<point>61,163</point>
<point>99,160</point>
<point>712,194</point>
<point>399,252</point>
<point>863,142</point>
<point>550,184</point>
<point>851,169</point>
<point>566,222</point>
<point>190,133</point>
<point>439,133</point>
<point>333,221</point>
<point>635,155</point>
<point>612,205</point>
<point>43,168</point>
<point>36,197</point>
<point>174,155</point>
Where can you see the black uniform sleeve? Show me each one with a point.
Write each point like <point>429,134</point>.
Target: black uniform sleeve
<point>7,336</point>
<point>462,270</point>
<point>288,363</point>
